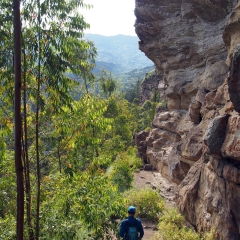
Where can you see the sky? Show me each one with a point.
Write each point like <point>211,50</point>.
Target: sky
<point>110,17</point>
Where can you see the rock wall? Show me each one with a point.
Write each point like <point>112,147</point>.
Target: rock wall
<point>195,46</point>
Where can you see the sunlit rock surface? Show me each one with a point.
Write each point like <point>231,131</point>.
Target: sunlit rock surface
<point>195,46</point>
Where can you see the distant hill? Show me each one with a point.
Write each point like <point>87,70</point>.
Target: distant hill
<point>118,54</point>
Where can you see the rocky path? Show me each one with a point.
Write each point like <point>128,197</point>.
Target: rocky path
<point>156,181</point>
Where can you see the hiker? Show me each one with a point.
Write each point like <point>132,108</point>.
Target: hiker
<point>131,228</point>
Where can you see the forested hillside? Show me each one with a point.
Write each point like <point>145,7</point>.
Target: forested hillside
<point>118,54</point>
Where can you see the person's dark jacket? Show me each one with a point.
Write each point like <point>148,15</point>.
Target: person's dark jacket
<point>131,222</point>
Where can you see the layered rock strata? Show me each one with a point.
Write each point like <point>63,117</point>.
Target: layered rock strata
<point>195,46</point>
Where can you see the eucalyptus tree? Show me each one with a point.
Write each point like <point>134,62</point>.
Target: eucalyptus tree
<point>10,77</point>
<point>52,32</point>
<point>17,118</point>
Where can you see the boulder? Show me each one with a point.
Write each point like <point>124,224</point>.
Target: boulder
<point>215,134</point>
<point>231,144</point>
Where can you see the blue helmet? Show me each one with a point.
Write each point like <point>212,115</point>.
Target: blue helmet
<point>131,209</point>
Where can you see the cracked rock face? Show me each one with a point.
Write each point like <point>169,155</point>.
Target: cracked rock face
<point>195,46</point>
<point>184,40</point>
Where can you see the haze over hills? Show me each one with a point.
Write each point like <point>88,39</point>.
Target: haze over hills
<point>121,56</point>
<point>118,54</point>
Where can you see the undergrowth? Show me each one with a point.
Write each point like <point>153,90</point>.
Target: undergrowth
<point>148,202</point>
<point>150,205</point>
<point>172,226</point>
<point>121,173</point>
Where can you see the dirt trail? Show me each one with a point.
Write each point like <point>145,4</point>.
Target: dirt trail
<point>165,188</point>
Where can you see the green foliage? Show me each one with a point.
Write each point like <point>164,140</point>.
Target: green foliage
<point>136,101</point>
<point>102,162</point>
<point>123,168</point>
<point>211,235</point>
<point>172,226</point>
<point>148,202</point>
<point>122,175</point>
<point>147,104</point>
<point>2,149</point>
<point>134,161</point>
<point>131,82</point>
<point>162,105</point>
<point>112,146</point>
<point>134,91</point>
<point>7,187</point>
<point>6,39</point>
<point>112,108</point>
<point>77,135</point>
<point>123,124</point>
<point>147,114</point>
<point>155,95</point>
<point>108,83</point>
<point>7,197</point>
<point>150,74</point>
<point>7,227</point>
<point>86,199</point>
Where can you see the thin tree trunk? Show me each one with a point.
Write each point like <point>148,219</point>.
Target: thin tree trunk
<point>26,156</point>
<point>59,159</point>
<point>37,125</point>
<point>38,161</point>
<point>17,119</point>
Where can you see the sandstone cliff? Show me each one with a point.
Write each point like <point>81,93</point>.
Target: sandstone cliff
<point>195,46</point>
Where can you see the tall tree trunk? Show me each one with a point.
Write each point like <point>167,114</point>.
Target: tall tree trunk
<point>25,149</point>
<point>17,119</point>
<point>38,159</point>
<point>37,124</point>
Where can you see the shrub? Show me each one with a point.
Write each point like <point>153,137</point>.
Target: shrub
<point>122,174</point>
<point>172,227</point>
<point>162,105</point>
<point>209,235</point>
<point>7,227</point>
<point>136,101</point>
<point>122,170</point>
<point>148,202</point>
<point>134,161</point>
<point>146,105</point>
<point>149,75</point>
<point>83,207</point>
